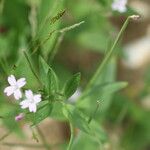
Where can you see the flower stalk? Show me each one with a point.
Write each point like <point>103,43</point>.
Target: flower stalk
<point>71,137</point>
<point>110,52</point>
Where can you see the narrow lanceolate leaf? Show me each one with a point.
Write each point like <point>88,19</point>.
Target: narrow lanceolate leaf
<point>41,114</point>
<point>48,77</point>
<point>44,67</point>
<point>104,89</point>
<point>31,66</point>
<point>71,85</point>
<point>52,82</point>
<point>98,132</point>
<point>100,92</point>
<point>76,118</point>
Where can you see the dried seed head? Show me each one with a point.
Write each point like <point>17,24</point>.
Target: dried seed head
<point>135,17</point>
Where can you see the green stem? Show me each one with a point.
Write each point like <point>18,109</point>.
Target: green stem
<point>71,137</point>
<point>47,147</point>
<point>109,54</point>
<point>31,67</point>
<point>34,136</point>
<point>89,121</point>
<point>92,116</point>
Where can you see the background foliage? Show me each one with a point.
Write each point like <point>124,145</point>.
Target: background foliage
<point>57,50</point>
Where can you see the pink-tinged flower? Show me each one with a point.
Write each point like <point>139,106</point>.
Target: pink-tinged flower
<point>19,117</point>
<point>15,86</point>
<point>119,5</point>
<point>31,101</point>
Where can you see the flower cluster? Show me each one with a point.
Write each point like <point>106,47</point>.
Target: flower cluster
<point>30,100</point>
<point>119,5</point>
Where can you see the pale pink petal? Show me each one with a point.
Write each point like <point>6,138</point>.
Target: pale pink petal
<point>24,104</point>
<point>29,94</point>
<point>12,80</point>
<point>21,82</point>
<point>32,107</point>
<point>19,117</point>
<point>9,90</point>
<point>119,5</point>
<point>17,94</point>
<point>123,9</point>
<point>37,98</point>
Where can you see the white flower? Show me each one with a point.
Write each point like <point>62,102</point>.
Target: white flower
<point>15,86</point>
<point>31,101</point>
<point>119,5</point>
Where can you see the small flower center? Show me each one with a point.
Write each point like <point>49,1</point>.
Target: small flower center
<point>15,87</point>
<point>32,101</point>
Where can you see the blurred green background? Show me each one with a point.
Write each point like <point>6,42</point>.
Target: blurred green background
<point>31,24</point>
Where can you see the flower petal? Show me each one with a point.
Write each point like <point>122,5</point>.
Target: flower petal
<point>9,90</point>
<point>12,80</point>
<point>119,5</point>
<point>21,82</point>
<point>37,98</point>
<point>19,117</point>
<point>24,104</point>
<point>122,9</point>
<point>32,107</point>
<point>17,94</point>
<point>29,94</point>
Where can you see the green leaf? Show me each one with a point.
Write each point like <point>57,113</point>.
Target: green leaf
<point>85,142</point>
<point>76,118</point>
<point>71,85</point>
<point>52,82</point>
<point>43,67</point>
<point>88,100</point>
<point>102,92</point>
<point>106,88</point>
<point>99,133</point>
<point>57,111</point>
<point>42,113</point>
<point>92,141</point>
<point>48,77</point>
